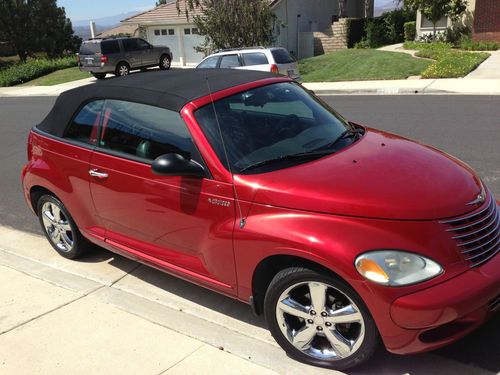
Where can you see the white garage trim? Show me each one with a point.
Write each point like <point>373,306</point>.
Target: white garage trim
<point>161,34</point>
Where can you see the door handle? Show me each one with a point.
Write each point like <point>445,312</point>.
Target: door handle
<point>99,175</point>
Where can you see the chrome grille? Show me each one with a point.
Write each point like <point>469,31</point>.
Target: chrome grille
<point>477,234</point>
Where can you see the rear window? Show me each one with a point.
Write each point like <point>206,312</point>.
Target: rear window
<point>90,48</point>
<point>255,58</point>
<point>209,63</point>
<point>281,56</point>
<point>110,47</point>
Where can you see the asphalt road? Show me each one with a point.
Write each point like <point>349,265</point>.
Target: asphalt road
<point>464,126</point>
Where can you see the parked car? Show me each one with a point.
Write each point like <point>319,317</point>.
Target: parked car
<point>121,55</point>
<point>275,60</point>
<point>247,184</point>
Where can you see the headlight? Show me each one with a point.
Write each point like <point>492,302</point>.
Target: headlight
<point>396,268</point>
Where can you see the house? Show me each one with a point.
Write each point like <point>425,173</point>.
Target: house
<point>122,30</point>
<point>482,16</point>
<point>295,23</point>
<point>164,25</point>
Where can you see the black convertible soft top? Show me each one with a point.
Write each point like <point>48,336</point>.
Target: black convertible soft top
<point>167,89</point>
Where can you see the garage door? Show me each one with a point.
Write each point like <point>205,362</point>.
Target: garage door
<point>166,36</point>
<point>192,39</point>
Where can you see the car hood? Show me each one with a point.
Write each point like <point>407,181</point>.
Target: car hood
<point>380,176</point>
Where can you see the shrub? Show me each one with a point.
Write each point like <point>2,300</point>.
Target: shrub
<point>427,46</point>
<point>362,44</point>
<point>388,28</point>
<point>376,33</point>
<point>410,31</point>
<point>355,31</point>
<point>479,46</point>
<point>34,68</point>
<point>458,33</point>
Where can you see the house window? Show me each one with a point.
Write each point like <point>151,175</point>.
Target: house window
<point>171,32</point>
<point>187,31</point>
<point>157,32</point>
<point>194,30</point>
<point>442,23</point>
<point>163,31</point>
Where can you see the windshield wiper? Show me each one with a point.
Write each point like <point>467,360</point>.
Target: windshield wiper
<point>299,156</point>
<point>348,133</point>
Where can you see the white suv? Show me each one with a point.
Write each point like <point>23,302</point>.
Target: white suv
<point>276,60</point>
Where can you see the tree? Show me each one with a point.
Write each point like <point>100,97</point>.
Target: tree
<point>16,27</point>
<point>231,23</point>
<point>161,2</point>
<point>434,10</point>
<point>37,25</point>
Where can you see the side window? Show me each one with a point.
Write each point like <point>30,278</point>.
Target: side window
<point>229,61</point>
<point>142,44</point>
<point>255,58</point>
<point>130,44</point>
<point>143,131</point>
<point>85,125</point>
<point>209,63</point>
<point>110,47</point>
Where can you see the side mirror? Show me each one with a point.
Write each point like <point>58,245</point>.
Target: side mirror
<point>176,165</point>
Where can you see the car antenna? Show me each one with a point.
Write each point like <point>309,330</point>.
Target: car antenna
<point>242,219</point>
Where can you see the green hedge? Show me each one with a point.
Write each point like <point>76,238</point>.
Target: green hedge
<point>355,31</point>
<point>33,68</point>
<point>427,46</point>
<point>410,31</point>
<point>479,46</point>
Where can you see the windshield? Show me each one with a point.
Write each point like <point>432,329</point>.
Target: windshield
<point>268,123</point>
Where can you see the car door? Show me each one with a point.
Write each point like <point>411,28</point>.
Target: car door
<point>149,54</point>
<point>170,222</point>
<point>132,53</point>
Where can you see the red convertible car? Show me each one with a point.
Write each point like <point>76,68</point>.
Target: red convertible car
<point>246,183</point>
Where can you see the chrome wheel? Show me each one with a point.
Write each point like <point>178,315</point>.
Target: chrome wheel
<point>165,63</point>
<point>320,320</point>
<point>57,226</point>
<point>123,70</point>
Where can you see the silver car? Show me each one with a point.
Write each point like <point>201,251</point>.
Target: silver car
<point>275,59</point>
<point>121,55</point>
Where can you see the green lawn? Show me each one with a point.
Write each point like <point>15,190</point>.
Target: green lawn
<point>59,76</point>
<point>360,65</point>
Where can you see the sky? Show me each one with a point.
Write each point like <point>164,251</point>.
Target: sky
<point>78,10</point>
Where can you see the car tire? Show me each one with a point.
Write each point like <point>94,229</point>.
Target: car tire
<point>324,338</point>
<point>122,69</point>
<point>60,229</point>
<point>165,62</point>
<point>99,75</point>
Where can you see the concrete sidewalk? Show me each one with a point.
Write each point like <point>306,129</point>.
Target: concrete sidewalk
<point>106,314</point>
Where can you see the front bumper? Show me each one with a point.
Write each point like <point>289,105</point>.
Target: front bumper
<point>442,314</point>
